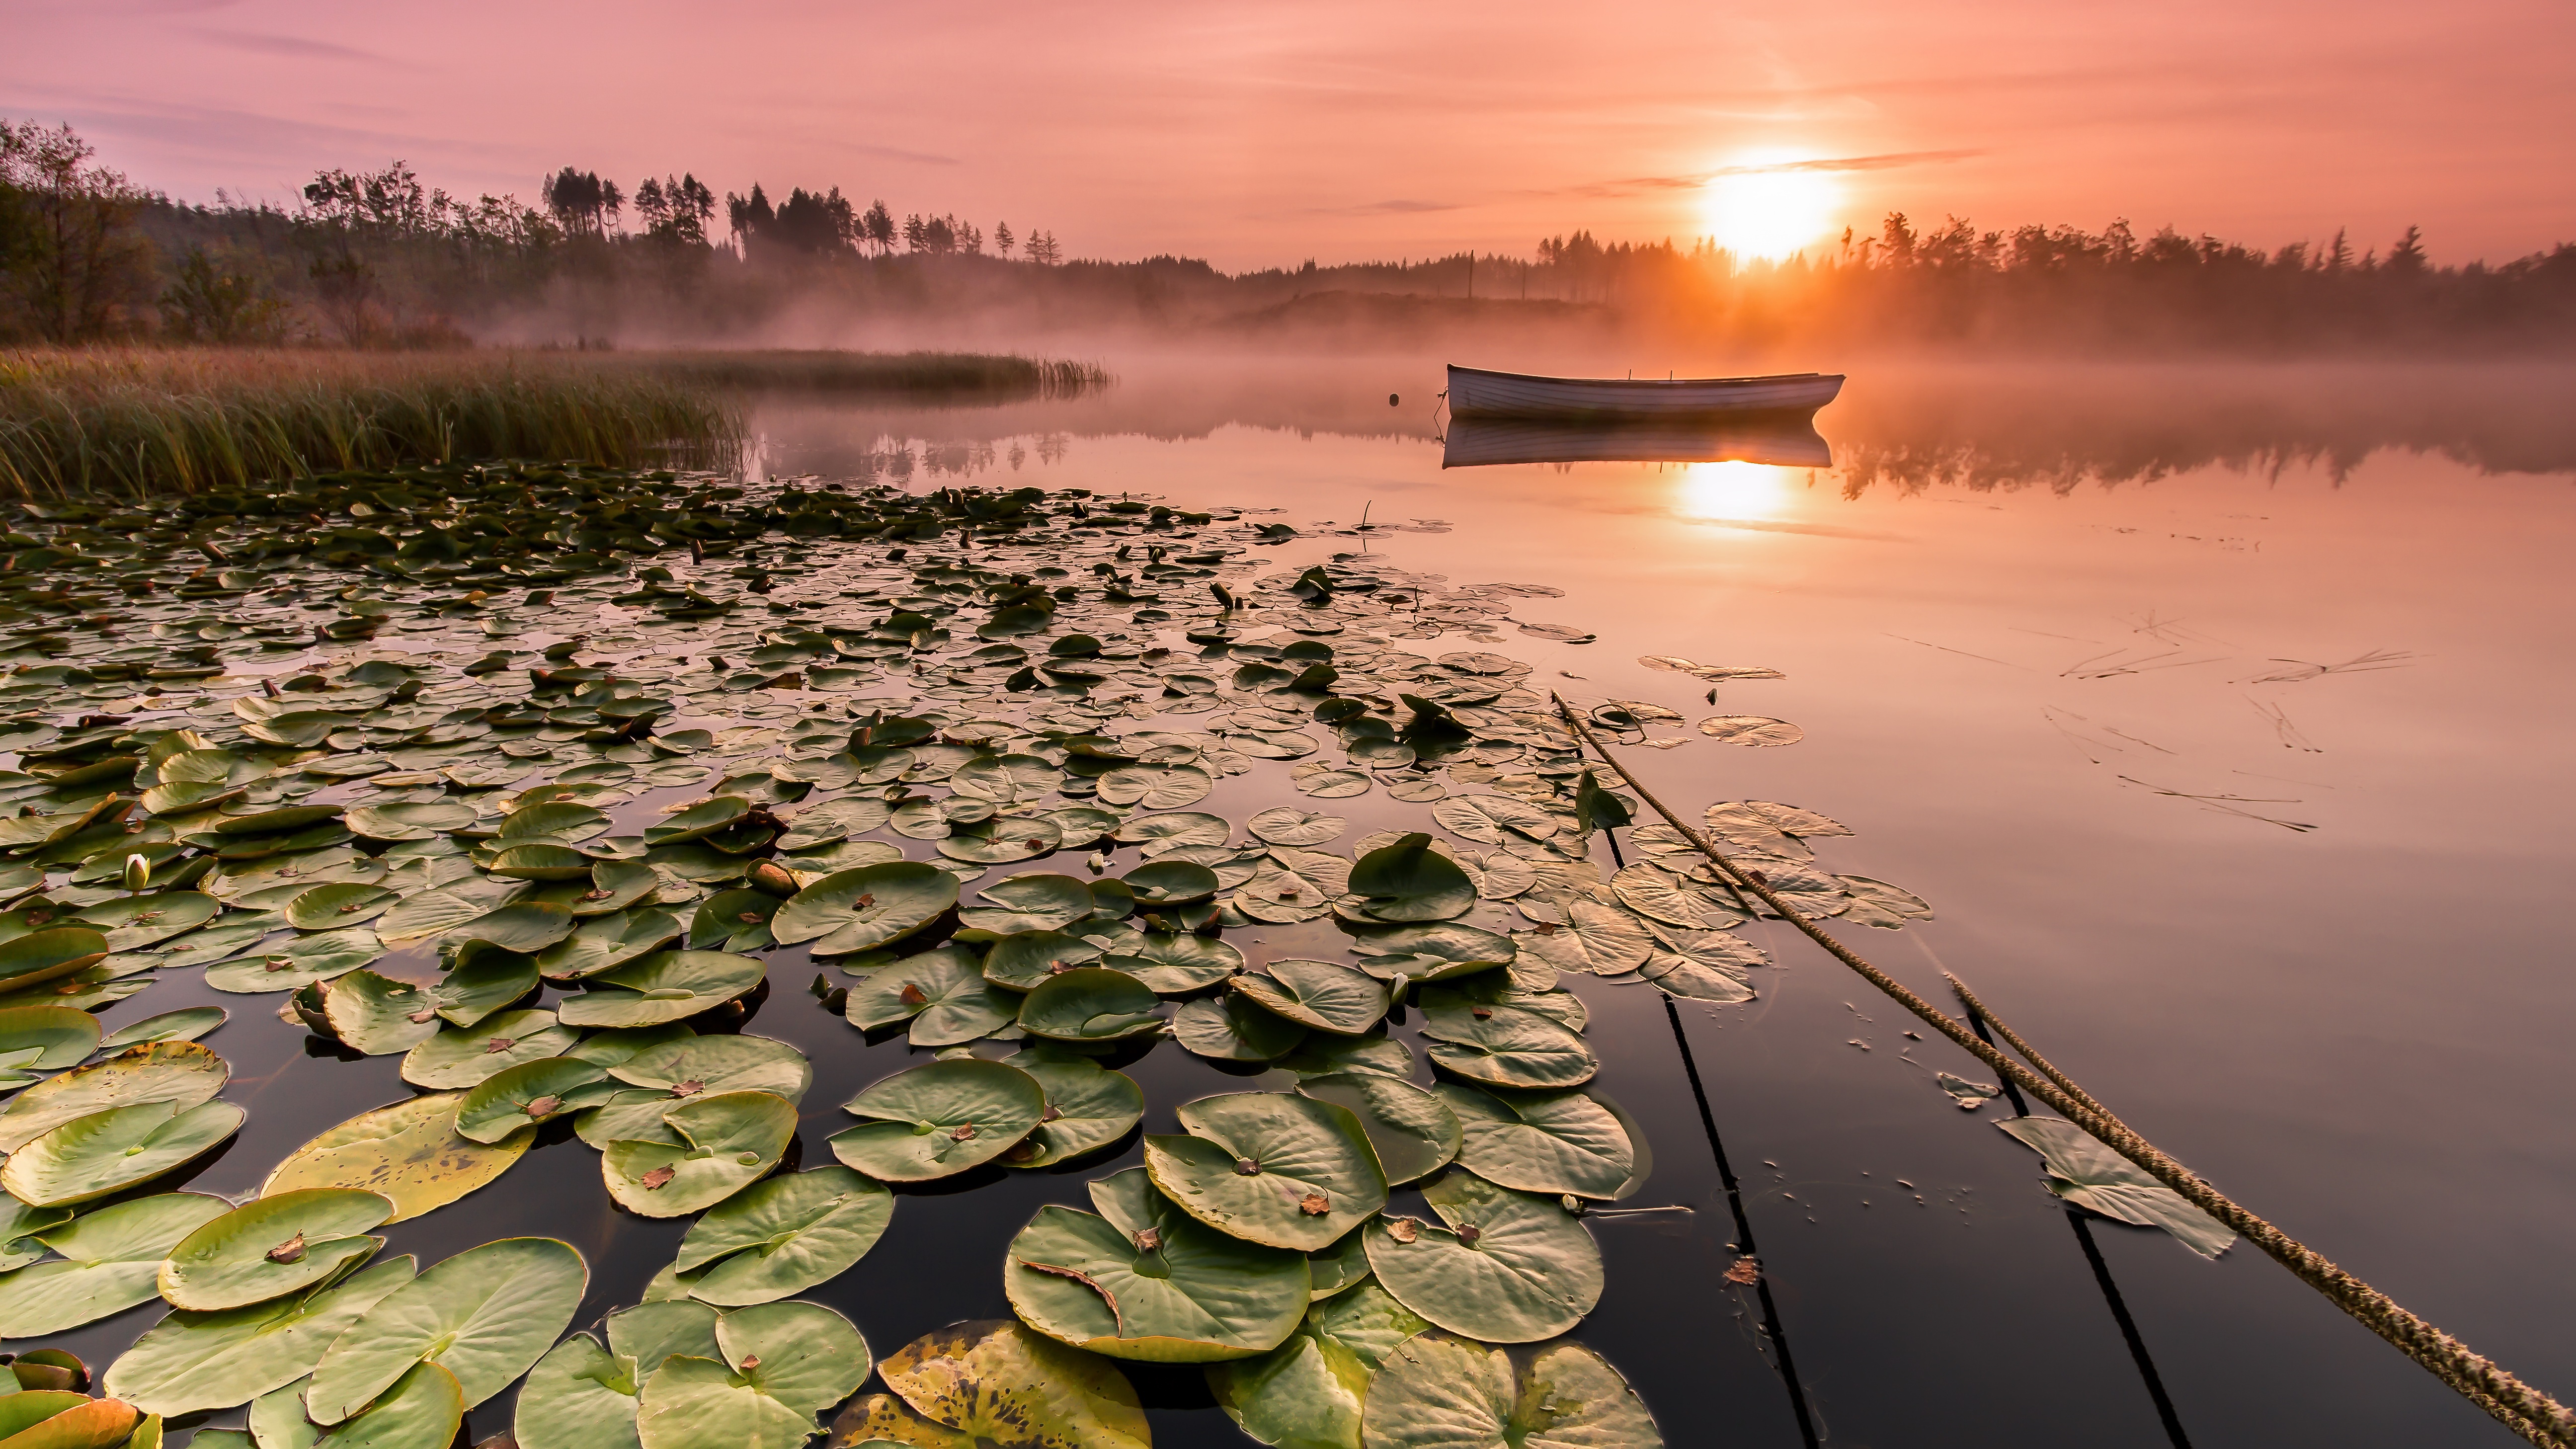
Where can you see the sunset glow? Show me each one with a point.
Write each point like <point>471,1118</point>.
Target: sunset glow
<point>1770,213</point>
<point>1735,490</point>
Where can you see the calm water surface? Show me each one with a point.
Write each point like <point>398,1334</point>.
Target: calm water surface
<point>2224,719</point>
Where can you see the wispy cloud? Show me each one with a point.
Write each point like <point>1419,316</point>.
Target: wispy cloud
<point>292,47</point>
<point>1386,208</point>
<point>1692,181</point>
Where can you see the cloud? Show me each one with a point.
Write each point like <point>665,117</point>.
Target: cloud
<point>292,47</point>
<point>1387,208</point>
<point>1886,161</point>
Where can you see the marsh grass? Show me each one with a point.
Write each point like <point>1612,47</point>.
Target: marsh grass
<point>146,422</point>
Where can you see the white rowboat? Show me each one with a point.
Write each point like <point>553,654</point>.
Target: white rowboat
<point>1477,393</point>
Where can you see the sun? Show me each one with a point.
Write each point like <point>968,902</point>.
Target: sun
<point>1732,490</point>
<point>1761,208</point>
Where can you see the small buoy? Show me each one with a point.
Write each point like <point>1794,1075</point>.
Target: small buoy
<point>1392,399</point>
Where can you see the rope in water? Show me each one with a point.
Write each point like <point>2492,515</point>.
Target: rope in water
<point>2534,1415</point>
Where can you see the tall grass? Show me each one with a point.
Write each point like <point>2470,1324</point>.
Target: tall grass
<point>986,375</point>
<point>145,422</point>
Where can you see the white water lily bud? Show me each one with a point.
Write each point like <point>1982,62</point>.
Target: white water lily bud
<point>138,872</point>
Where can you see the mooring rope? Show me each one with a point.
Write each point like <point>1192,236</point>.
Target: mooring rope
<point>2534,1415</point>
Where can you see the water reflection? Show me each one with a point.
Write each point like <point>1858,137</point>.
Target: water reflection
<point>1484,442</point>
<point>1736,490</point>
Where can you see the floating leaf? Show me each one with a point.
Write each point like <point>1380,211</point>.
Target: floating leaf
<point>134,922</point>
<point>1088,1003</point>
<point>109,1261</point>
<point>604,943</point>
<point>1174,964</point>
<point>941,990</point>
<point>526,927</point>
<point>996,1384</point>
<point>1024,960</point>
<point>1508,1268</point>
<point>376,1014</point>
<point>579,1396</point>
<point>432,912</point>
<point>939,1119</point>
<point>1171,883</point>
<point>1270,1167</point>
<point>44,955</point>
<point>1287,825</point>
<point>298,963</point>
<point>1307,1393</point>
<point>59,1419</point>
<point>1543,1142</point>
<point>2090,1175</point>
<point>1703,966</point>
<point>409,1151</point>
<point>1750,729</point>
<point>1155,788</point>
<point>336,904</point>
<point>1088,1107</point>
<point>1492,819</point>
<point>178,1072</point>
<point>728,1142</point>
<point>1440,951</point>
<point>1233,1029</point>
<point>669,986</point>
<point>193,1361</point>
<point>858,910</point>
<point>1318,994</point>
<point>108,1152</point>
<point>1001,840</point>
<point>1029,903</point>
<point>185,1024</point>
<point>273,1246</point>
<point>1322,1056</point>
<point>526,1094</point>
<point>455,1058</point>
<point>1437,1389</point>
<point>1506,1046</point>
<point>425,1406</point>
<point>1413,1132</point>
<point>1594,938</point>
<point>1409,881</point>
<point>802,1355</point>
<point>781,1237</point>
<point>1327,782</point>
<point>50,1038</point>
<point>486,1315</point>
<point>1142,1280</point>
<point>659,1076</point>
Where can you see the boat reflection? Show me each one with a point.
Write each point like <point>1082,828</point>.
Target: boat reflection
<point>1787,441</point>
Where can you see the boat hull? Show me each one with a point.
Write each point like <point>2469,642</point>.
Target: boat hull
<point>1476,393</point>
<point>1785,440</point>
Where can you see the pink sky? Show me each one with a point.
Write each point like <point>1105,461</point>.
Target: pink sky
<point>1255,136</point>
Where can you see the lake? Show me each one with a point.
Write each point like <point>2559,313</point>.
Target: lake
<point>2220,715</point>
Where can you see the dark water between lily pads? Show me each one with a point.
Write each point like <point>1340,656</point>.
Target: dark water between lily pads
<point>2221,718</point>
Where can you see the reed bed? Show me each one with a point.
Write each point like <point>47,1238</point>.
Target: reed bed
<point>987,375</point>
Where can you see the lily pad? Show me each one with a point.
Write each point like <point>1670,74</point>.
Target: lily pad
<point>604,943</point>
<point>1089,1003</point>
<point>1508,1267</point>
<point>939,1119</point>
<point>1155,788</point>
<point>528,1093</point>
<point>1339,1268</point>
<point>1543,1142</point>
<point>579,1396</point>
<point>48,1038</point>
<point>661,1076</point>
<point>858,910</point>
<point>997,1384</point>
<point>1326,782</point>
<point>802,1355</point>
<point>134,922</point>
<point>1750,729</point>
<point>43,955</point>
<point>409,1151</point>
<point>485,1315</point>
<point>1703,966</point>
<point>298,963</point>
<point>185,1024</point>
<point>1270,1167</point>
<point>59,1419</point>
<point>178,1072</point>
<point>108,1152</point>
<point>273,1246</point>
<point>1322,1056</point>
<point>1142,1280</point>
<point>1505,1046</point>
<point>1413,1132</point>
<point>941,991</point>
<point>425,1406</point>
<point>669,986</point>
<point>1001,840</point>
<point>2090,1175</point>
<point>1317,994</point>
<point>1410,881</point>
<point>525,927</point>
<point>193,1361</point>
<point>1175,964</point>
<point>1170,883</point>
<point>1287,825</point>
<point>458,1058</point>
<point>729,1141</point>
<point>1088,1106</point>
<point>1442,951</point>
<point>781,1237</point>
<point>376,1014</point>
<point>1230,1028</point>
<point>1434,1388</point>
<point>410,820</point>
<point>338,903</point>
<point>1308,1392</point>
<point>1029,903</point>
<point>1025,960</point>
<point>1594,938</point>
<point>109,1262</point>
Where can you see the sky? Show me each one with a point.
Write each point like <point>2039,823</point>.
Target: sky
<point>1256,136</point>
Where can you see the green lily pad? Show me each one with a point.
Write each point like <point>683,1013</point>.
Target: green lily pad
<point>942,991</point>
<point>1437,952</point>
<point>1270,1167</point>
<point>1495,988</point>
<point>525,927</point>
<point>1544,1142</point>
<point>1005,779</point>
<point>669,986</point>
<point>1505,1046</point>
<point>1508,1268</point>
<point>1028,903</point>
<point>1230,1028</point>
<point>273,1246</point>
<point>734,920</point>
<point>939,1119</point>
<point>410,820</point>
<point>1324,1055</point>
<point>134,922</point>
<point>44,955</point>
<point>334,904</point>
<point>1339,1268</point>
<point>58,1419</point>
<point>485,1315</point>
<point>1170,883</point>
<point>728,1142</point>
<point>859,910</point>
<point>1088,1003</point>
<point>1001,840</point>
<point>185,1024</point>
<point>48,1038</point>
<point>2090,1175</point>
<point>522,1095</point>
<point>997,1384</point>
<point>606,942</point>
<point>833,820</point>
<point>783,1236</point>
<point>410,1151</point>
<point>696,1403</point>
<point>543,860</point>
<point>697,822</point>
<point>1026,960</point>
<point>481,984</point>
<point>1088,1106</point>
<point>1142,1280</point>
<point>1594,938</point>
<point>1155,788</point>
<point>1434,1388</point>
<point>802,1355</point>
<point>1307,1393</point>
<point>579,1396</point>
<point>1413,1132</point>
<point>425,1406</point>
<point>659,1077</point>
<point>178,1072</point>
<point>376,1014</point>
<point>1287,825</point>
<point>1318,994</point>
<point>562,820</point>
<point>1174,964</point>
<point>298,963</point>
<point>109,1262</point>
<point>614,886</point>
<point>464,1058</point>
<point>194,1361</point>
<point>447,908</point>
<point>1703,966</point>
<point>1410,881</point>
<point>1293,884</point>
<point>1161,833</point>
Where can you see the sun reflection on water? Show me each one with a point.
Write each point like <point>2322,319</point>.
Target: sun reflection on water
<point>1735,490</point>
